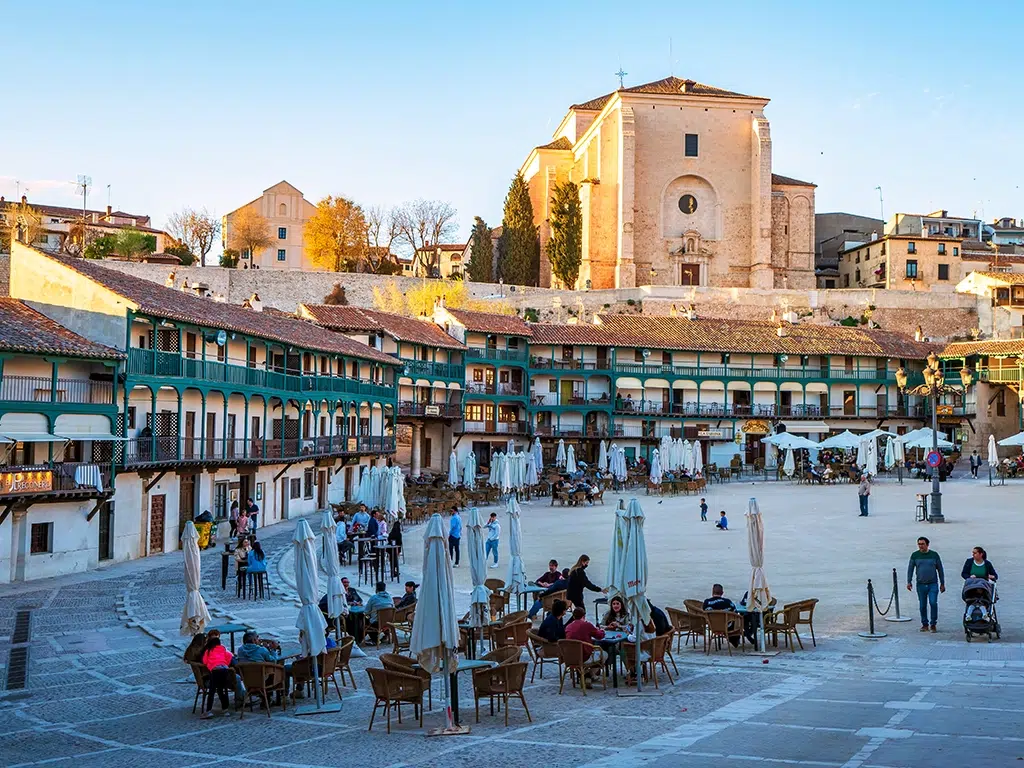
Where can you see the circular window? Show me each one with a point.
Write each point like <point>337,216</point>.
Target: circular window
<point>688,204</point>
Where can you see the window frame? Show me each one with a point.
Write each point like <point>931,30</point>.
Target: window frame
<point>282,233</point>
<point>687,138</point>
<point>282,254</point>
<point>46,529</point>
<point>939,270</point>
<point>911,274</point>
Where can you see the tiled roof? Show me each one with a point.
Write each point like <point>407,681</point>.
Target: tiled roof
<point>71,213</point>
<point>560,143</point>
<point>667,86</point>
<point>398,327</point>
<point>992,347</point>
<point>789,181</point>
<point>488,322</point>
<point>22,329</point>
<point>160,301</point>
<point>584,335</point>
<point>1008,278</point>
<point>751,336</point>
<point>975,245</point>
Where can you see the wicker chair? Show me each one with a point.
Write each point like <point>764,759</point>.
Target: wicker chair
<point>698,620</point>
<point>202,677</point>
<point>684,625</point>
<point>541,652</point>
<point>505,655</point>
<point>784,622</point>
<point>385,618</point>
<point>805,615</point>
<point>328,669</point>
<point>502,682</point>
<point>397,663</point>
<point>344,660</point>
<point>261,679</point>
<point>548,602</point>
<point>510,634</point>
<point>723,625</point>
<point>576,658</point>
<point>396,688</point>
<point>514,618</point>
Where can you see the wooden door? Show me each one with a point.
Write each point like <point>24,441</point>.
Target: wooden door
<point>230,446</point>
<point>255,437</point>
<point>565,395</point>
<point>190,434</point>
<point>186,501</point>
<point>689,274</point>
<point>321,490</point>
<point>426,457</point>
<point>156,523</point>
<point>106,531</point>
<point>211,436</point>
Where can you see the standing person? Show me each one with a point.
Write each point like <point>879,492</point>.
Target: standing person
<point>455,537</point>
<point>578,581</point>
<point>977,566</point>
<point>233,518</point>
<point>703,510</point>
<point>975,463</point>
<point>863,493</point>
<point>253,510</point>
<point>931,580</point>
<point>493,535</point>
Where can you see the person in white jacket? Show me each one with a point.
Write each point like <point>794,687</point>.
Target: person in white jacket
<point>493,534</point>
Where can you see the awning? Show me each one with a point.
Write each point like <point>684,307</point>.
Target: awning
<point>79,426</point>
<point>805,427</point>
<point>32,437</point>
<point>91,436</point>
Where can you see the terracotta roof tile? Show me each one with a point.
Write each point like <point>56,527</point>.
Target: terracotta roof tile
<point>578,334</point>
<point>22,329</point>
<point>489,322</point>
<point>991,347</point>
<point>1009,278</point>
<point>160,301</point>
<point>560,143</point>
<point>397,326</point>
<point>73,213</point>
<point>666,86</point>
<point>789,181</point>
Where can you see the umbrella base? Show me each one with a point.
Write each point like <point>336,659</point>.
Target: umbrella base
<point>455,730</point>
<point>872,635</point>
<point>638,694</point>
<point>313,709</point>
<point>898,618</point>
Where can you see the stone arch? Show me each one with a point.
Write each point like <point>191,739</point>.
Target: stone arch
<point>705,219</point>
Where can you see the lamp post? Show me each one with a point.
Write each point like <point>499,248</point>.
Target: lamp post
<point>934,386</point>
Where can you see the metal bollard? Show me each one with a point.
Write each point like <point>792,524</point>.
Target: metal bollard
<point>871,634</point>
<point>896,597</point>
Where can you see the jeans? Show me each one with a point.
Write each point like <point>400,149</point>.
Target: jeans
<point>454,548</point>
<point>537,605</point>
<point>928,594</point>
<point>864,505</point>
<point>491,547</point>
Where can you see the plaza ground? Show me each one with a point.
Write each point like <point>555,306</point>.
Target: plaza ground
<point>105,685</point>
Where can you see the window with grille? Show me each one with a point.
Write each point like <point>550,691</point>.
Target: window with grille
<point>42,538</point>
<point>307,484</point>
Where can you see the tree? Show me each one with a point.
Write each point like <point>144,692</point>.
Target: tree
<point>336,297</point>
<point>101,247</point>
<point>420,300</point>
<point>381,235</point>
<point>182,251</point>
<point>481,253</point>
<point>196,230</point>
<point>229,258</point>
<point>565,248</point>
<point>249,232</point>
<point>19,217</point>
<point>423,224</point>
<point>519,249</point>
<point>131,244</point>
<point>335,235</point>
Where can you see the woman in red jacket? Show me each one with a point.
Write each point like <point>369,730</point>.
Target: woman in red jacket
<point>217,659</point>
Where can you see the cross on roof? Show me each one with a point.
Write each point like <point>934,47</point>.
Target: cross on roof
<point>621,74</point>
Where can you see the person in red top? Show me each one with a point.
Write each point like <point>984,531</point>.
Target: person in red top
<point>217,659</point>
<point>581,629</point>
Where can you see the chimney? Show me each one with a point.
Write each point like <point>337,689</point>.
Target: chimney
<point>255,304</point>
<point>918,334</point>
<point>688,86</point>
<point>169,282</point>
<point>781,330</point>
<point>674,312</point>
<point>109,211</point>
<point>24,199</point>
<point>874,236</point>
<point>185,286</point>
<point>691,313</point>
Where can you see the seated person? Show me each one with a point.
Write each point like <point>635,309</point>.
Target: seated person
<point>617,617</point>
<point>381,599</point>
<point>662,626</point>
<point>550,576</point>
<point>719,602</point>
<point>556,586</point>
<point>360,519</point>
<point>341,538</point>
<point>242,550</point>
<point>552,628</point>
<point>581,629</point>
<point>723,522</point>
<point>252,651</point>
<point>257,561</point>
<point>409,598</point>
<point>351,595</point>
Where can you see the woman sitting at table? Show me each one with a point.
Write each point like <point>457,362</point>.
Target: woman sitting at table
<point>256,562</point>
<point>617,617</point>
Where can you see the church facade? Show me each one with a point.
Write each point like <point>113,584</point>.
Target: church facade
<point>677,188</point>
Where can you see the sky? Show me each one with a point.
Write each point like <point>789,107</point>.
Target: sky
<point>205,104</point>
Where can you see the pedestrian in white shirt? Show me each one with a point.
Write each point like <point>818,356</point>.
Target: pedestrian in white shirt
<point>493,534</point>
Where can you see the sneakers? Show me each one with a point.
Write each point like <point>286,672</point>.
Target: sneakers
<point>206,715</point>
<point>493,565</point>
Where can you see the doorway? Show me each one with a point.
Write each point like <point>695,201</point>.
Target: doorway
<point>426,458</point>
<point>244,489</point>
<point>106,531</point>
<point>190,435</point>
<point>321,489</point>
<point>689,274</point>
<point>186,501</point>
<point>156,522</point>
<point>284,498</point>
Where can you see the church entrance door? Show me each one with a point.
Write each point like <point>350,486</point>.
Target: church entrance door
<point>689,274</point>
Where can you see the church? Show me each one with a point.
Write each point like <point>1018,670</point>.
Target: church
<point>677,188</point>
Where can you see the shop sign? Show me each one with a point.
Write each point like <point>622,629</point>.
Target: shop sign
<point>757,427</point>
<point>717,434</point>
<point>31,481</point>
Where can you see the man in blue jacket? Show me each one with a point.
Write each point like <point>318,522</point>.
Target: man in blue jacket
<point>455,537</point>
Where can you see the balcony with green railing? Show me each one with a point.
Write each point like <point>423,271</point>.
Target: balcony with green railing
<point>517,356</point>
<point>430,370</point>
<point>756,373</point>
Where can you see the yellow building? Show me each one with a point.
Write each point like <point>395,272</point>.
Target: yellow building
<point>286,212</point>
<point>677,189</point>
<point>903,263</point>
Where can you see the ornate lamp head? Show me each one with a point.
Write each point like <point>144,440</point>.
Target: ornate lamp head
<point>966,376</point>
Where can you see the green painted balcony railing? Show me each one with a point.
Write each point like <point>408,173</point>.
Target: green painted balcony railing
<point>435,370</point>
<point>172,450</point>
<point>505,355</point>
<point>751,372</point>
<point>146,362</point>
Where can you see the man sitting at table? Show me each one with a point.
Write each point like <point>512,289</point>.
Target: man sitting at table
<point>581,629</point>
<point>252,651</point>
<point>341,538</point>
<point>550,576</point>
<point>556,586</point>
<point>360,519</point>
<point>552,628</point>
<point>719,602</point>
<point>351,595</point>
<point>409,598</point>
<point>372,527</point>
<point>379,600</point>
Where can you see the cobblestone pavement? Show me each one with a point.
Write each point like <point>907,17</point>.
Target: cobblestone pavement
<point>105,686</point>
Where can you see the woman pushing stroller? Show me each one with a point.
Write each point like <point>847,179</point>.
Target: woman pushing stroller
<point>977,566</point>
<point>979,596</point>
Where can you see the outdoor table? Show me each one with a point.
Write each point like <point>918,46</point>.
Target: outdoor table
<point>225,561</point>
<point>383,550</point>
<point>599,601</point>
<point>471,649</point>
<point>229,629</point>
<point>533,589</point>
<point>464,664</point>
<point>611,642</point>
<point>358,614</point>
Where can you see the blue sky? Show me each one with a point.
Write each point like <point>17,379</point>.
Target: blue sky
<point>207,104</point>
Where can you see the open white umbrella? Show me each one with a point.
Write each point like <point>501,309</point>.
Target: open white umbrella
<point>845,440</point>
<point>634,575</point>
<point>790,466</point>
<point>890,453</point>
<point>560,455</point>
<point>516,581</point>
<point>993,452</point>
<point>477,570</point>
<point>538,456</point>
<point>922,438</point>
<point>469,471</point>
<point>875,433</point>
<point>337,604</point>
<point>615,584</point>
<point>453,469</point>
<point>602,456</point>
<point>435,632</point>
<point>785,440</point>
<point>698,457</point>
<point>310,621</point>
<point>570,460</point>
<point>195,616</point>
<point>656,467</point>
<point>1013,440</point>
<point>759,594</point>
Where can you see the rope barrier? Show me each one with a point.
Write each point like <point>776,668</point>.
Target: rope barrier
<point>896,597</point>
<point>872,606</point>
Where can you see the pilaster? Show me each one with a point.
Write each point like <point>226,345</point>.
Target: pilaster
<point>761,275</point>
<point>625,268</point>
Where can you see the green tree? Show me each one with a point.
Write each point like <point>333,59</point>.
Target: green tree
<point>101,247</point>
<point>131,244</point>
<point>565,248</point>
<point>519,249</point>
<point>481,254</point>
<point>229,258</point>
<point>182,251</point>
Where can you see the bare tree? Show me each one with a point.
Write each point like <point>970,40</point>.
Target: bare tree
<point>381,235</point>
<point>196,230</point>
<point>249,232</point>
<point>424,223</point>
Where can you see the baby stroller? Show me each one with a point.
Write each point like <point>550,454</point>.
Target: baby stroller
<point>979,596</point>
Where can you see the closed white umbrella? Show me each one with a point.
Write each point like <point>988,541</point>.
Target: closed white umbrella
<point>656,467</point>
<point>871,457</point>
<point>363,494</point>
<point>477,570</point>
<point>510,447</point>
<point>560,455</point>
<point>570,460</point>
<point>516,581</point>
<point>531,470</point>
<point>993,452</point>
<point>759,594</point>
<point>602,456</point>
<point>337,605</point>
<point>860,458</point>
<point>310,621</point>
<point>890,453</point>
<point>538,455</point>
<point>505,474</point>
<point>435,632</point>
<point>616,586</point>
<point>634,575</point>
<point>492,477</point>
<point>453,469</point>
<point>790,466</point>
<point>698,457</point>
<point>897,449</point>
<point>469,471</point>
<point>195,615</point>
<point>687,463</point>
<point>620,464</point>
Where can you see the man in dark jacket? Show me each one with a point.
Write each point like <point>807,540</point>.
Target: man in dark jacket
<point>552,628</point>
<point>662,626</point>
<point>556,586</point>
<point>550,576</point>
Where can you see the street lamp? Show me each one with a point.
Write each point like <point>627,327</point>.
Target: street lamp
<point>934,386</point>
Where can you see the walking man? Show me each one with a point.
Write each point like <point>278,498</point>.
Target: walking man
<point>975,463</point>
<point>704,510</point>
<point>493,532</point>
<point>455,537</point>
<point>253,510</point>
<point>930,581</point>
<point>863,492</point>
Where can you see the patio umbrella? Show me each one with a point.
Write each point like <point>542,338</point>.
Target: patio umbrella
<point>687,457</point>
<point>677,454</point>
<point>602,456</point>
<point>845,440</point>
<point>477,570</point>
<point>435,632</point>
<point>759,593</point>
<point>993,452</point>
<point>510,447</point>
<point>922,438</point>
<point>890,453</point>
<point>615,584</point>
<point>560,455</point>
<point>897,449</point>
<point>788,440</point>
<point>790,466</point>
<point>453,469</point>
<point>538,455</point>
<point>634,575</point>
<point>620,464</point>
<point>516,581</point>
<point>861,458</point>
<point>492,477</point>
<point>337,605</point>
<point>871,457</point>
<point>698,458</point>
<point>194,616</point>
<point>505,475</point>
<point>363,493</point>
<point>1017,439</point>
<point>311,621</point>
<point>656,467</point>
<point>874,433</point>
<point>570,460</point>
<point>469,471</point>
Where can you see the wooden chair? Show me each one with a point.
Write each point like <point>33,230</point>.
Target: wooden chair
<point>497,601</point>
<point>502,682</point>
<point>652,654</point>
<point>654,489</point>
<point>396,688</point>
<point>515,617</point>
<point>671,635</point>
<point>403,664</point>
<point>683,624</point>
<point>723,625</point>
<point>261,679</point>
<point>578,499</point>
<point>577,659</point>
<point>541,652</point>
<point>785,623</point>
<point>344,660</point>
<point>805,615</point>
<point>202,677</point>
<point>698,620</point>
<point>598,496</point>
<point>510,634</point>
<point>548,602</point>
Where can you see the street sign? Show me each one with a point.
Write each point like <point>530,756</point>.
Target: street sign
<point>934,459</point>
